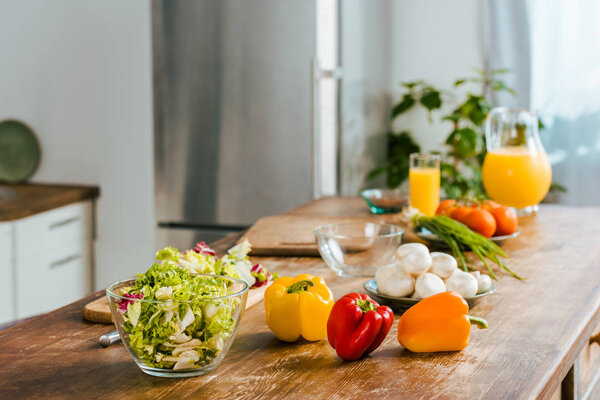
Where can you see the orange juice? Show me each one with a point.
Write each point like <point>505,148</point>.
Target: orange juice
<point>515,177</point>
<point>424,189</point>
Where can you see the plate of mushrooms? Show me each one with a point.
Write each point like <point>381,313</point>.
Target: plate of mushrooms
<point>416,273</point>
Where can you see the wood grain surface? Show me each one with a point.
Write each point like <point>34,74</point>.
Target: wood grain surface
<point>293,235</point>
<point>99,309</point>
<point>537,328</point>
<point>35,198</point>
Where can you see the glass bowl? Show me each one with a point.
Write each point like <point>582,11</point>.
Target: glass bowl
<point>178,339</point>
<point>358,248</point>
<point>385,201</point>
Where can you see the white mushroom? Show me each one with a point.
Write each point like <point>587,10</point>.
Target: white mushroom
<point>463,283</point>
<point>411,248</point>
<point>416,263</point>
<point>443,265</point>
<point>429,284</point>
<point>484,282</point>
<point>392,280</point>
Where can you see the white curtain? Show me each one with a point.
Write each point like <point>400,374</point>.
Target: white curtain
<point>553,48</point>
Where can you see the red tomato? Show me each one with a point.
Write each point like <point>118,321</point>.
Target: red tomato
<point>460,213</point>
<point>488,205</point>
<point>446,207</point>
<point>506,221</point>
<point>481,221</point>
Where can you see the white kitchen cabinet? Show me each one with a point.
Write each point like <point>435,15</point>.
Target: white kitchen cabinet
<point>7,308</point>
<point>53,258</point>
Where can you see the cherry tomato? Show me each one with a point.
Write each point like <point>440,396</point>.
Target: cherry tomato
<point>481,221</point>
<point>460,213</point>
<point>446,207</point>
<point>506,221</point>
<point>488,205</point>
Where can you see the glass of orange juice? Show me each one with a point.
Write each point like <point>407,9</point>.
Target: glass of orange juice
<point>424,180</point>
<point>516,171</point>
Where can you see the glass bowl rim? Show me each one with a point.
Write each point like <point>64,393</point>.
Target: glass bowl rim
<point>246,287</point>
<point>369,193</point>
<point>318,231</point>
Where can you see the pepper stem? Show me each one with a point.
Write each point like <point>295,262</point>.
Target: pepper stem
<point>365,305</point>
<point>480,322</point>
<point>300,286</point>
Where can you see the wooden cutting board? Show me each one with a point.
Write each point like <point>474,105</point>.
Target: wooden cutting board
<point>292,235</point>
<point>99,309</point>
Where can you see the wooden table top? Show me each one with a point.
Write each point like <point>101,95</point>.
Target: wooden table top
<point>33,198</point>
<point>537,328</point>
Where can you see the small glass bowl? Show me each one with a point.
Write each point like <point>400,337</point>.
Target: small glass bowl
<point>234,303</point>
<point>385,201</point>
<point>358,248</point>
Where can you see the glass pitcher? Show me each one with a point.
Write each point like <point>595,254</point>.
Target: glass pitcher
<point>516,171</point>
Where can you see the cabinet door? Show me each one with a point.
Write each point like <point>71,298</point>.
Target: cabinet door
<point>53,279</point>
<point>52,259</point>
<point>7,309</point>
<point>51,229</point>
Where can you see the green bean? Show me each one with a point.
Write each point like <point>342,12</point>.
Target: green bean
<point>460,237</point>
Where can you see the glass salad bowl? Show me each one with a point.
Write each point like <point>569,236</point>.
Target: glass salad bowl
<point>358,248</point>
<point>179,330</point>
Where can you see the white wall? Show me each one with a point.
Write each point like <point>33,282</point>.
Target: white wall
<point>79,73</point>
<point>438,41</point>
<point>386,42</point>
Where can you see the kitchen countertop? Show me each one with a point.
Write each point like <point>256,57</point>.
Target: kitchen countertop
<point>537,329</point>
<point>33,198</point>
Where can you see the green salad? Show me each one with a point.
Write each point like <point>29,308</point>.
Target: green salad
<point>176,326</point>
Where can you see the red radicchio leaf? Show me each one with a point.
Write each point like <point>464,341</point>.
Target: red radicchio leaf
<point>122,306</point>
<point>202,248</point>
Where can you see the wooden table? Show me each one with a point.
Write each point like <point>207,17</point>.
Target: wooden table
<point>538,328</point>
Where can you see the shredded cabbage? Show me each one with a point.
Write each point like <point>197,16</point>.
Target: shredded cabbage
<point>171,334</point>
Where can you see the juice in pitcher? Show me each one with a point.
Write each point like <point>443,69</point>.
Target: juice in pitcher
<point>424,179</point>
<point>516,171</point>
<point>517,177</point>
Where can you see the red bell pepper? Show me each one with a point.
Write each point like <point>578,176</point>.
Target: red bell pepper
<point>357,325</point>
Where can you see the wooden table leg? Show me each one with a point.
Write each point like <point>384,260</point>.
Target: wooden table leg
<point>570,385</point>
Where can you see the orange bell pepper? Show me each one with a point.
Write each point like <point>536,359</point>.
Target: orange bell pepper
<point>437,323</point>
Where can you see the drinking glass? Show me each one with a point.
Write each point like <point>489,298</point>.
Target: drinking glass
<point>516,171</point>
<point>424,180</point>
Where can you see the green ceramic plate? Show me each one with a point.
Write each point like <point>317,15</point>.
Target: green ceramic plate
<point>19,151</point>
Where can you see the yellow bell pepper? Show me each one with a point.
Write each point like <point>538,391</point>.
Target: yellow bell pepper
<point>297,307</point>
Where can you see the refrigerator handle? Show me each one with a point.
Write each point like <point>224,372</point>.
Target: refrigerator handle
<point>315,128</point>
<point>315,109</point>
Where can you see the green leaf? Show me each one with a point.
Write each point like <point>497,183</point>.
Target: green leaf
<point>452,190</point>
<point>465,142</point>
<point>403,106</point>
<point>399,147</point>
<point>375,172</point>
<point>410,85</point>
<point>498,85</point>
<point>431,99</point>
<point>459,82</point>
<point>454,117</point>
<point>541,125</point>
<point>500,71</point>
<point>475,108</point>
<point>556,187</point>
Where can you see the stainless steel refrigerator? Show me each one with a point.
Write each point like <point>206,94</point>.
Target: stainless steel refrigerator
<point>236,122</point>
